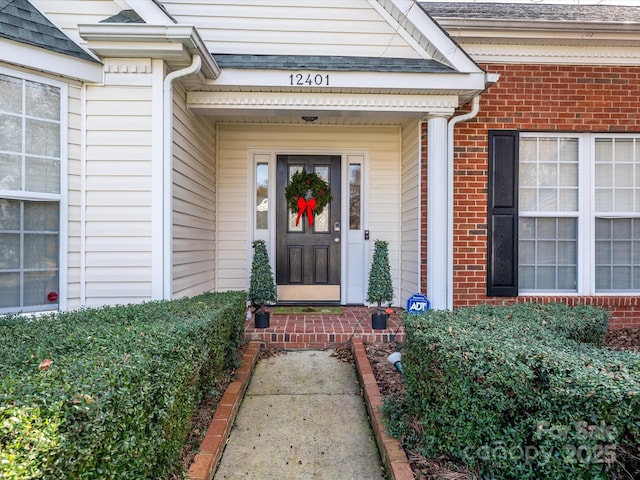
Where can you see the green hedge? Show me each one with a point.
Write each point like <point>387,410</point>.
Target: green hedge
<point>513,393</point>
<point>123,383</point>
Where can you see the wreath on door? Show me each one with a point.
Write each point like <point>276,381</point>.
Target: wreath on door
<point>308,194</point>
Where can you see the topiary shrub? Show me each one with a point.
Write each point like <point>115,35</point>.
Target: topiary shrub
<point>262,287</point>
<point>380,287</point>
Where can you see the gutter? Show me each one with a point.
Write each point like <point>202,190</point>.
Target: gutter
<point>173,43</point>
<point>475,108</point>
<point>167,171</point>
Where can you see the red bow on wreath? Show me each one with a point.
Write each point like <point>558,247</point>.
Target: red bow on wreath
<point>309,206</point>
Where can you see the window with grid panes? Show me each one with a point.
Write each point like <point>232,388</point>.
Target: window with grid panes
<point>579,213</point>
<point>30,166</point>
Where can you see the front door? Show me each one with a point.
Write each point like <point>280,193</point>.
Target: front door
<point>308,255</point>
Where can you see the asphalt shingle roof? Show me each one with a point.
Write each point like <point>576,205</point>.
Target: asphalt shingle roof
<point>22,22</point>
<point>331,63</point>
<point>533,12</point>
<point>125,16</point>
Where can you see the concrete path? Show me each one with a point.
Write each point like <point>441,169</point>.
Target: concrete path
<point>302,417</point>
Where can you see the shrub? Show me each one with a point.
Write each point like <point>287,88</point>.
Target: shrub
<point>511,392</point>
<point>262,287</point>
<point>121,385</point>
<point>380,288</point>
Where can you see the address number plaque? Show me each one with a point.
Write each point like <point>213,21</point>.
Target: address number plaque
<point>309,79</point>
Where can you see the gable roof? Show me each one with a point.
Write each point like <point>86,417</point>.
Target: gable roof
<point>21,22</point>
<point>533,12</point>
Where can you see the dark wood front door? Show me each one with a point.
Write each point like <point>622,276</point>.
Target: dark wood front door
<point>308,256</point>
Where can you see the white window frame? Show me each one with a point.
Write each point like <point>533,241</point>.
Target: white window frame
<point>61,198</point>
<point>586,218</point>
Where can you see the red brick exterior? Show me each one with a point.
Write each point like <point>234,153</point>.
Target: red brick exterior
<point>546,98</point>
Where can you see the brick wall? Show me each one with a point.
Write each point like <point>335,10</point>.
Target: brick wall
<point>544,98</point>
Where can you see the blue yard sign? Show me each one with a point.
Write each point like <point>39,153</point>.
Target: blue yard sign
<point>418,303</point>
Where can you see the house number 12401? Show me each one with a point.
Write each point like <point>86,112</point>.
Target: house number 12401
<point>309,79</point>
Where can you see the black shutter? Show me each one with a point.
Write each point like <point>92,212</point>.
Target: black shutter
<point>502,223</point>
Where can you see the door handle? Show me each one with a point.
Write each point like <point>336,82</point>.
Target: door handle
<point>336,240</point>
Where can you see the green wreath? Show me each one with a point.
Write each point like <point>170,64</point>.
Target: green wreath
<point>301,183</point>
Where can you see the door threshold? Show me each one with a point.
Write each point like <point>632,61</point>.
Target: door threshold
<point>309,293</point>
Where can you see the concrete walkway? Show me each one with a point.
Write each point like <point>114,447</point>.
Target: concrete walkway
<point>302,417</point>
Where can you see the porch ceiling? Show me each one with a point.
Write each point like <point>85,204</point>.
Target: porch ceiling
<point>310,118</point>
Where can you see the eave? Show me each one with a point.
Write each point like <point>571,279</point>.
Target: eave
<point>587,34</point>
<point>431,83</point>
<point>43,60</point>
<point>176,44</point>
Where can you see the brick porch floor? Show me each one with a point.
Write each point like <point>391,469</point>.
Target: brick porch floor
<point>323,330</point>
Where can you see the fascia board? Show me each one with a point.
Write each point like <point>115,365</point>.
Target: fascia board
<point>134,32</point>
<point>256,78</point>
<point>47,61</point>
<point>582,28</point>
<point>157,41</point>
<point>400,30</point>
<point>587,33</point>
<point>436,35</point>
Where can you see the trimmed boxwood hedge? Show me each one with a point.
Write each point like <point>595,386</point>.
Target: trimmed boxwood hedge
<point>123,382</point>
<point>519,392</point>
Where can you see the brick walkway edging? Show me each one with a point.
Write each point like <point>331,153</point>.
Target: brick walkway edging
<point>206,461</point>
<point>393,457</point>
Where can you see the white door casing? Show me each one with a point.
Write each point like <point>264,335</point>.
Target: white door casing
<point>354,247</point>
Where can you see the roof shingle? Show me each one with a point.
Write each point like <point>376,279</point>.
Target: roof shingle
<point>22,22</point>
<point>533,12</point>
<point>330,63</point>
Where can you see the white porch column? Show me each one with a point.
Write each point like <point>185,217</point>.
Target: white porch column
<point>438,210</point>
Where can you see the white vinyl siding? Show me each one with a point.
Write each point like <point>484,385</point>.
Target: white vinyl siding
<point>234,144</point>
<point>118,238</point>
<point>67,15</point>
<point>410,210</point>
<point>193,201</point>
<point>305,27</point>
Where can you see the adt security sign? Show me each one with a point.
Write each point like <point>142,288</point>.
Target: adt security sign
<point>418,303</point>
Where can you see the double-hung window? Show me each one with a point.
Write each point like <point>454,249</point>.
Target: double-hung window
<point>548,213</point>
<point>31,153</point>
<point>616,204</point>
<point>566,219</point>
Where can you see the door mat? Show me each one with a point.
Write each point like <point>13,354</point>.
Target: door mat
<point>307,309</point>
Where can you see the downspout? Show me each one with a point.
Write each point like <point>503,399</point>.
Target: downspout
<point>475,108</point>
<point>167,172</point>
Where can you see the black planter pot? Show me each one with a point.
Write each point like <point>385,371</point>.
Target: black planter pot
<point>379,321</point>
<point>262,319</point>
